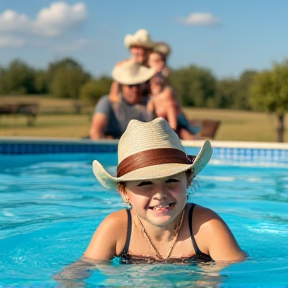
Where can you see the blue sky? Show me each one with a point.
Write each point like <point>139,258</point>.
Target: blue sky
<point>227,37</point>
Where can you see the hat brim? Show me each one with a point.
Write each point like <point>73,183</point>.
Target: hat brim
<point>155,171</point>
<point>141,44</point>
<point>143,75</point>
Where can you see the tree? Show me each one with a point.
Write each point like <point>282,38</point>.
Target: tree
<point>234,93</point>
<point>226,90</point>
<point>65,78</point>
<point>194,86</point>
<point>269,92</point>
<point>94,89</point>
<point>18,78</point>
<point>41,83</point>
<point>241,100</point>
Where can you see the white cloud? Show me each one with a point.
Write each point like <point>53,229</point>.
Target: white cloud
<point>200,19</point>
<point>12,22</point>
<point>59,18</point>
<point>55,20</point>
<point>8,41</point>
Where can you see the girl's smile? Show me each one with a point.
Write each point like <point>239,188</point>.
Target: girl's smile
<point>161,208</point>
<point>158,201</point>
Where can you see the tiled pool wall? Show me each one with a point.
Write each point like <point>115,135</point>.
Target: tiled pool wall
<point>21,148</point>
<point>222,150</point>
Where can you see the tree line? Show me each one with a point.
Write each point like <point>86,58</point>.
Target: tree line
<point>66,78</point>
<point>194,86</point>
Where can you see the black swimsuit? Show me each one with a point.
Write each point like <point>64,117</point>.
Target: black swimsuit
<point>127,258</point>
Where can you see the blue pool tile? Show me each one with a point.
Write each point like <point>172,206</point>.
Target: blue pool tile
<point>219,153</point>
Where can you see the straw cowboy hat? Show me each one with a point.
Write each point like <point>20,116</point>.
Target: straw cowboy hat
<point>162,48</point>
<point>151,150</point>
<point>131,73</point>
<point>140,38</point>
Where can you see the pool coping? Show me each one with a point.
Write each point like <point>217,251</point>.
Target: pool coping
<point>186,143</point>
<point>227,151</point>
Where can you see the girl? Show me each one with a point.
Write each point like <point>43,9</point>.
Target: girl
<point>153,175</point>
<point>163,101</point>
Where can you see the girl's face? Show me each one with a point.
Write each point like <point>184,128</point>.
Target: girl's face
<point>156,61</point>
<point>156,84</point>
<point>158,201</point>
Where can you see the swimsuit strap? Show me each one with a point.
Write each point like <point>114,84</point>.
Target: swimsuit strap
<point>197,250</point>
<point>126,247</point>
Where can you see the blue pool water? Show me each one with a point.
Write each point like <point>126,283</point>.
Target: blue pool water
<point>51,205</point>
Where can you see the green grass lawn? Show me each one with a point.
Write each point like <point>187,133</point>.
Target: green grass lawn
<point>235,125</point>
<point>241,125</point>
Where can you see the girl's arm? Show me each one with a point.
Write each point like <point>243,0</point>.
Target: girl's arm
<point>172,109</point>
<point>214,237</point>
<point>172,115</point>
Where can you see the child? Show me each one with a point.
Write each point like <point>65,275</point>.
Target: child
<point>163,101</point>
<point>153,175</point>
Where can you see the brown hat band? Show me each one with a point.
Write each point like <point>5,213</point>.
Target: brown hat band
<point>153,157</point>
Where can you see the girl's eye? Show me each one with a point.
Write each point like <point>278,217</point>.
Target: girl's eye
<point>144,183</point>
<point>172,180</point>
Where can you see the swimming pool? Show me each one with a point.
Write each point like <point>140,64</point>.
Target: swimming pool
<point>51,204</point>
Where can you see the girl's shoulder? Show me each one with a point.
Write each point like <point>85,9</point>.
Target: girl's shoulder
<point>203,214</point>
<point>168,93</point>
<point>214,237</point>
<point>208,223</point>
<point>168,89</point>
<point>109,238</point>
<point>114,224</point>
<point>116,218</point>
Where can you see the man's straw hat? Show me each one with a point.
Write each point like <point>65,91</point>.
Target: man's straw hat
<point>151,150</point>
<point>140,38</point>
<point>131,73</point>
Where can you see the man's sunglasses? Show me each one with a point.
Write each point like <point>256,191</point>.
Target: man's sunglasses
<point>134,85</point>
<point>138,85</point>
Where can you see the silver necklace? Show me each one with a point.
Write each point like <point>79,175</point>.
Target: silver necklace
<point>177,230</point>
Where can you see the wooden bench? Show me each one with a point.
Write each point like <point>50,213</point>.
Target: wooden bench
<point>28,109</point>
<point>209,127</point>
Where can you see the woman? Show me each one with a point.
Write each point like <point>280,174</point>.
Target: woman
<point>153,175</point>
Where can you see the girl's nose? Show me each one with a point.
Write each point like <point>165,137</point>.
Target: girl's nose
<point>160,196</point>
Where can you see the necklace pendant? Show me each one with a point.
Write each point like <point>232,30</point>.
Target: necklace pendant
<point>178,228</point>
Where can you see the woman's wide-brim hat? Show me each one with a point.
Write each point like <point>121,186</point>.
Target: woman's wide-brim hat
<point>151,150</point>
<point>131,73</point>
<point>140,38</point>
<point>162,48</point>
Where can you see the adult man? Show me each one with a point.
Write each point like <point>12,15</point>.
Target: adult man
<point>111,116</point>
<point>140,45</point>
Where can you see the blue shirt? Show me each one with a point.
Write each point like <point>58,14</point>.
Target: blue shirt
<point>119,114</point>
